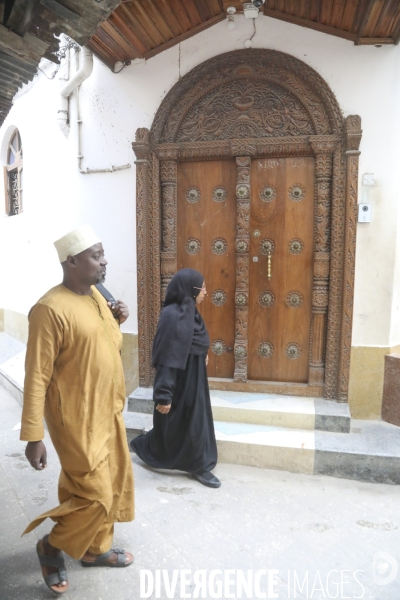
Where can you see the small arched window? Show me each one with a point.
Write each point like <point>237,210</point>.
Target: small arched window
<point>13,173</point>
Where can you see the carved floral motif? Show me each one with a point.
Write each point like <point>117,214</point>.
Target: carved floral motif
<point>218,347</point>
<point>268,193</point>
<point>241,299</point>
<point>296,246</point>
<point>267,246</point>
<point>245,108</point>
<point>297,192</point>
<point>244,94</point>
<point>193,246</point>
<point>240,351</point>
<point>193,195</point>
<point>219,193</point>
<point>243,165</point>
<point>242,191</point>
<point>242,246</point>
<point>218,297</point>
<point>219,246</point>
<point>265,349</point>
<point>293,351</point>
<point>294,299</point>
<point>266,299</point>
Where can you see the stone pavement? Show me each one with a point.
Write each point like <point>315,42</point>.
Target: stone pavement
<point>314,531</point>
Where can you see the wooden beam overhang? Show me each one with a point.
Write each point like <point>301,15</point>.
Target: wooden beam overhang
<point>27,33</point>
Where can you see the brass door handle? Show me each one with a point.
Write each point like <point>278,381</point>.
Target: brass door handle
<point>269,272</point>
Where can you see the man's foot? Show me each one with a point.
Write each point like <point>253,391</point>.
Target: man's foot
<point>113,558</point>
<point>53,567</point>
<point>207,478</point>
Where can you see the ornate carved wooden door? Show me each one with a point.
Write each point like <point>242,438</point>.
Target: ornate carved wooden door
<point>281,259</point>
<point>206,220</point>
<point>281,269</point>
<point>214,132</point>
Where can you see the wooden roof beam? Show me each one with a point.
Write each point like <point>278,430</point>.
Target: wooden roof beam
<point>60,10</point>
<point>184,36</point>
<point>375,41</point>
<point>28,49</point>
<point>22,15</point>
<point>364,20</point>
<point>396,32</point>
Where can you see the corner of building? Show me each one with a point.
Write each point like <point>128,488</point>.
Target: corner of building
<point>367,369</point>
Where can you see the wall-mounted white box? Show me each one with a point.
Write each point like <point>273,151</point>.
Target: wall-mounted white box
<point>364,213</point>
<point>368,179</point>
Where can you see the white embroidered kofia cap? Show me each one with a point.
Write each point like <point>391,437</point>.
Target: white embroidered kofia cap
<point>76,241</point>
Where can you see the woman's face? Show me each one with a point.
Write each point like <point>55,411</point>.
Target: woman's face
<point>201,294</point>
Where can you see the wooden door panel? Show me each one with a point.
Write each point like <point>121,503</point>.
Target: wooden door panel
<point>282,214</point>
<point>206,225</point>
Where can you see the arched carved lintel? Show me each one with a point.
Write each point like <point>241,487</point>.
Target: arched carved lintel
<point>292,74</point>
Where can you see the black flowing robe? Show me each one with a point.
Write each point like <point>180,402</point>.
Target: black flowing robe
<point>184,438</point>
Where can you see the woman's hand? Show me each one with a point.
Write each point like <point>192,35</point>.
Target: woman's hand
<point>163,408</point>
<point>207,360</point>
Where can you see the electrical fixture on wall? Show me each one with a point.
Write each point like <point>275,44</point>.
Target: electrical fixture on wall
<point>231,18</point>
<point>250,9</point>
<point>365,207</point>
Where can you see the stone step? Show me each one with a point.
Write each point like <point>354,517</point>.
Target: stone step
<point>281,411</point>
<point>369,452</point>
<point>264,409</point>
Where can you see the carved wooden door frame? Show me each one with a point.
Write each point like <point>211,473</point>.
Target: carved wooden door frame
<point>292,87</point>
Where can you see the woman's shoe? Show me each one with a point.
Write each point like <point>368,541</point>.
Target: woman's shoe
<point>208,479</point>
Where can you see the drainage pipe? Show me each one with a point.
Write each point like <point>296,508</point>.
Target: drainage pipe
<point>85,69</point>
<point>84,62</point>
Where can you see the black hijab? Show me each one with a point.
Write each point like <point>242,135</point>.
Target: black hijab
<point>181,330</point>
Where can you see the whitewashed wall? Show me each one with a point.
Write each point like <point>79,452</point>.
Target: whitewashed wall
<point>58,198</point>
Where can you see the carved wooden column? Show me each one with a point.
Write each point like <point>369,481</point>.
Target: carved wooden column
<point>141,148</point>
<point>169,183</point>
<point>242,266</point>
<point>320,297</point>
<point>353,138</point>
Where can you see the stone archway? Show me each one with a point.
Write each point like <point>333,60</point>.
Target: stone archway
<point>246,105</point>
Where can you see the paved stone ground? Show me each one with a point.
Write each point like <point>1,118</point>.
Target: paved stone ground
<point>298,525</point>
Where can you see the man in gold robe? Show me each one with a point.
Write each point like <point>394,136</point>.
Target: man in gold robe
<point>74,379</point>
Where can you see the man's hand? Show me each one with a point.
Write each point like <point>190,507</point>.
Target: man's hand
<point>36,453</point>
<point>163,408</point>
<point>119,310</point>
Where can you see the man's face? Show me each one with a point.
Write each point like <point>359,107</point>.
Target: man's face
<point>91,265</point>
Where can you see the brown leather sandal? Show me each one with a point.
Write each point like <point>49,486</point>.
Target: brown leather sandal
<point>102,560</point>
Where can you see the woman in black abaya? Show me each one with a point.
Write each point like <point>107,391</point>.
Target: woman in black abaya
<point>183,430</point>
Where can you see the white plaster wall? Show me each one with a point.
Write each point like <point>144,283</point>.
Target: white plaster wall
<point>57,198</point>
